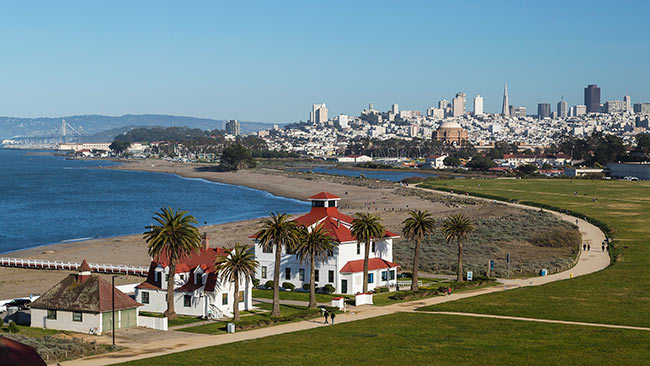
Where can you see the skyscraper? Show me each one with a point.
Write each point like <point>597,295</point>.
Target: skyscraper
<point>592,98</point>
<point>395,109</point>
<point>505,109</point>
<point>232,127</point>
<point>562,109</point>
<point>628,103</point>
<point>478,105</point>
<point>318,113</point>
<point>543,110</point>
<point>458,104</point>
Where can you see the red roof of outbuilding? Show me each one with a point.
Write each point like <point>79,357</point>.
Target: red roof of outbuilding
<point>84,267</point>
<point>205,258</point>
<point>16,353</point>
<point>324,196</point>
<point>373,264</point>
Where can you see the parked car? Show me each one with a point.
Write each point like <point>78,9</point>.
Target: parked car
<point>21,304</point>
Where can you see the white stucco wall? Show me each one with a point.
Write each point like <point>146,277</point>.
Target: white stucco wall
<point>64,321</point>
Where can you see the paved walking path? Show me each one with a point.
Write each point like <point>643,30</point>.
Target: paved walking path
<point>588,262</point>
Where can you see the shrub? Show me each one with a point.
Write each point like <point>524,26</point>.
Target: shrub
<point>305,286</point>
<point>12,327</point>
<point>288,285</point>
<point>269,284</point>
<point>256,282</point>
<point>381,289</point>
<point>329,289</point>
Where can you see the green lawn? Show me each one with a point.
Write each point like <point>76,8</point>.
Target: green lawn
<point>32,332</point>
<point>220,326</point>
<point>428,339</point>
<point>619,294</point>
<point>292,295</point>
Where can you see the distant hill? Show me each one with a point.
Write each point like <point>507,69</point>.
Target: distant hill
<point>107,127</point>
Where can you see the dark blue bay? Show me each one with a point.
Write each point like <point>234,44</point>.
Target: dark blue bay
<point>46,199</point>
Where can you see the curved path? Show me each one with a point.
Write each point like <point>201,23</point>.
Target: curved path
<point>157,344</point>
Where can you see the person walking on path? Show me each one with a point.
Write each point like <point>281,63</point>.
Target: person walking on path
<point>584,247</point>
<point>589,247</point>
<point>326,315</point>
<point>603,247</point>
<point>332,315</point>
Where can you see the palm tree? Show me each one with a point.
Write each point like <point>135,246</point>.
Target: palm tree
<point>366,227</point>
<point>277,231</point>
<point>416,227</point>
<point>313,246</point>
<point>457,227</point>
<point>240,264</point>
<point>174,236</point>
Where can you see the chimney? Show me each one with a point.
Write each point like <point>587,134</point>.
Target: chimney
<point>84,271</point>
<point>338,223</point>
<point>205,241</point>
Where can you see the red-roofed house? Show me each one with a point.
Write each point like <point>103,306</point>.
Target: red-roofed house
<point>198,288</point>
<point>344,267</point>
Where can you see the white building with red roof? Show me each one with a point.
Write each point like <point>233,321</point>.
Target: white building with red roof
<point>198,288</point>
<point>344,267</point>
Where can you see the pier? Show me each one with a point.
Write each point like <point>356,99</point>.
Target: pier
<point>72,266</point>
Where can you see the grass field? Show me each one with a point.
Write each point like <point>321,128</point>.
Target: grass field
<point>427,339</point>
<point>619,294</point>
<point>220,326</point>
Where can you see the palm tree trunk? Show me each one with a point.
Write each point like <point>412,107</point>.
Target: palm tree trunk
<point>459,278</point>
<point>276,282</point>
<point>312,285</point>
<point>365,266</point>
<point>235,305</point>
<point>170,313</point>
<point>416,263</point>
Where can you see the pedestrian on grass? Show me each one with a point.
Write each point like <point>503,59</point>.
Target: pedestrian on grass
<point>326,315</point>
<point>332,316</point>
<point>589,247</point>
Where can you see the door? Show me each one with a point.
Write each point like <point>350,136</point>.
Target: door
<point>107,321</point>
<point>344,286</point>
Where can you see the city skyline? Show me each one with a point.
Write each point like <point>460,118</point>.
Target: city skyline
<point>247,61</point>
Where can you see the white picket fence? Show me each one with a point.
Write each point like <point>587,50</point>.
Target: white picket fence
<point>72,266</point>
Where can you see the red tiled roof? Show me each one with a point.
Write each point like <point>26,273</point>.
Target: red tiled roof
<point>373,264</point>
<point>211,282</point>
<point>205,258</point>
<point>16,353</point>
<point>324,196</point>
<point>93,295</point>
<point>84,267</point>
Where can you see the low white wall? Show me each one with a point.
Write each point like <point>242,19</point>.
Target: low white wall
<point>64,321</point>
<point>153,323</point>
<point>363,299</point>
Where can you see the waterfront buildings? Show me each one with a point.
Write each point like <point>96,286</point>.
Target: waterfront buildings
<point>83,302</point>
<point>198,288</point>
<point>478,105</point>
<point>343,267</point>
<point>318,113</point>
<point>232,127</point>
<point>592,98</point>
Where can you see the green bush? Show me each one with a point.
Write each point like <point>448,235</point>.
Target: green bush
<point>381,289</point>
<point>12,327</point>
<point>288,285</point>
<point>269,284</point>
<point>329,289</point>
<point>305,286</point>
<point>256,282</point>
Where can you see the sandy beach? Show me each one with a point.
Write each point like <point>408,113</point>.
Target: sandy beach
<point>387,199</point>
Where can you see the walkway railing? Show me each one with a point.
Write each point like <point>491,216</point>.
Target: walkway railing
<point>72,266</point>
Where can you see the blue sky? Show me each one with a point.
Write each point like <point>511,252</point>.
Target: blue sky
<point>270,60</point>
